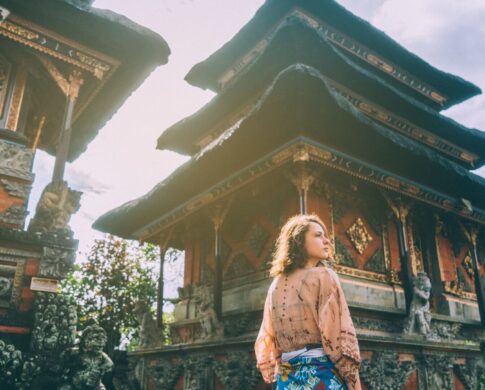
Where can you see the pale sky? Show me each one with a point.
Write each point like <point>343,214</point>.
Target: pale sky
<point>122,162</point>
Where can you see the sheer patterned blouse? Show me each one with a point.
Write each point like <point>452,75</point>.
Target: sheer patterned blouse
<point>308,307</point>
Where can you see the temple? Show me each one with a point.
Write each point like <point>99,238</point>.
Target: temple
<point>318,111</point>
<point>65,69</point>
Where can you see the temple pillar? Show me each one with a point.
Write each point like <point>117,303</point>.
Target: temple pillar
<point>71,91</point>
<point>217,214</point>
<point>164,241</point>
<point>471,233</point>
<point>400,209</point>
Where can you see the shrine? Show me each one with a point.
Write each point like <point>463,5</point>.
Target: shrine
<point>318,111</point>
<point>65,69</point>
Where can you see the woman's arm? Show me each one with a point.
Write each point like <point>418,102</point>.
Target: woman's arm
<point>267,352</point>
<point>337,330</point>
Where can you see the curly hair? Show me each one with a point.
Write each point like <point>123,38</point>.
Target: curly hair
<point>290,252</point>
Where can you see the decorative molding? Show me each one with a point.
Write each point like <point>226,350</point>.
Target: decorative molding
<point>455,287</point>
<point>402,125</point>
<point>353,47</point>
<point>56,46</point>
<point>358,235</point>
<point>318,153</point>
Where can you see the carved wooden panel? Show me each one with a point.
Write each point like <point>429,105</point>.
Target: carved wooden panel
<point>455,259</point>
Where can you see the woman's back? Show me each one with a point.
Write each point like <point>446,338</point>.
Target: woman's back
<point>294,300</point>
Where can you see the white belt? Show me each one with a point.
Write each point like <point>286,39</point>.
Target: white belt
<point>303,352</point>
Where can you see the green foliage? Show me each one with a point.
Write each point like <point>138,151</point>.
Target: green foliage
<point>106,286</point>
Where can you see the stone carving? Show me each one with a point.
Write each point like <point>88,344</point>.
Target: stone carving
<point>14,215</point>
<point>211,326</point>
<point>472,373</point>
<point>438,371</point>
<point>15,160</point>
<point>89,363</point>
<point>441,330</point>
<point>14,188</point>
<point>166,373</point>
<point>359,236</point>
<point>196,372</point>
<point>56,206</point>
<point>5,286</point>
<point>10,365</point>
<point>150,334</point>
<point>236,325</point>
<point>56,262</point>
<point>385,371</point>
<point>55,322</point>
<point>237,371</point>
<point>374,324</point>
<point>419,316</point>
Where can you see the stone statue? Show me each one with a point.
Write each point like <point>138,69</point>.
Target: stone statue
<point>89,363</point>
<point>211,326</point>
<point>150,335</point>
<point>419,314</point>
<point>56,206</point>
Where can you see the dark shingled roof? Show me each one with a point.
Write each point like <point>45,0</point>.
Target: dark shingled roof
<point>304,89</point>
<point>296,42</point>
<point>206,73</point>
<point>139,50</point>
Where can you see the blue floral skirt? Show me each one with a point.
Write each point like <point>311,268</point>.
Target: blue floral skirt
<point>309,373</point>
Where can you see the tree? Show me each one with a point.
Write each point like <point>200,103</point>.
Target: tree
<point>106,286</point>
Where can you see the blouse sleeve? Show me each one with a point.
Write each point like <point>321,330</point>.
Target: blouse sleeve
<point>267,352</point>
<point>337,330</point>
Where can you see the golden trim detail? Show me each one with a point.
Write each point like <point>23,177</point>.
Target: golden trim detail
<point>61,48</point>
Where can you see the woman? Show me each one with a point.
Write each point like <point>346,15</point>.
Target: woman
<point>307,339</point>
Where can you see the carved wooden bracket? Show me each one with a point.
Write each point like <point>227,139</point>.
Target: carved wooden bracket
<point>218,213</point>
<point>70,87</point>
<point>400,207</point>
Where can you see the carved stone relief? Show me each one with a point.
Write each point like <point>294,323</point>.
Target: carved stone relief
<point>14,188</point>
<point>56,262</point>
<point>15,160</point>
<point>385,371</point>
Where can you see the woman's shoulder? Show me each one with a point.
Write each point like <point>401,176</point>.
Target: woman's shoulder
<point>325,273</point>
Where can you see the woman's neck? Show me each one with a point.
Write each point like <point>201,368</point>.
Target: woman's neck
<point>312,263</point>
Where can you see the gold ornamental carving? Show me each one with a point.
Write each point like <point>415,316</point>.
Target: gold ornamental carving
<point>468,265</point>
<point>359,236</point>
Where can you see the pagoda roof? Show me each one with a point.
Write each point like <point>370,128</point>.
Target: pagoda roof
<point>351,34</point>
<point>343,133</point>
<point>455,141</point>
<point>137,49</point>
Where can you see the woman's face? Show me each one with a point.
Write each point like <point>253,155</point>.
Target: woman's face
<point>317,244</point>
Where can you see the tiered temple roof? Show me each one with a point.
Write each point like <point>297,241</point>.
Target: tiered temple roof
<point>302,76</point>
<point>115,53</point>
